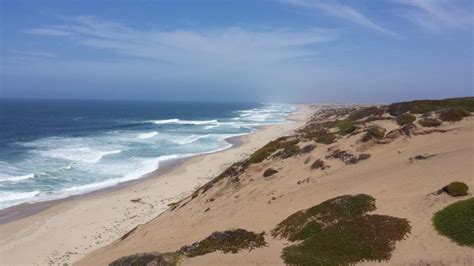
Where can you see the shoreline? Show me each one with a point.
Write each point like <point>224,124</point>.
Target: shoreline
<point>24,210</point>
<point>97,218</point>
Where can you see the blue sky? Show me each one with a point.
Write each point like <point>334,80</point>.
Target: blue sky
<point>273,50</point>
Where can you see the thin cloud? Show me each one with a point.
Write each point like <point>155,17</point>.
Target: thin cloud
<point>233,44</point>
<point>342,11</point>
<point>439,15</point>
<point>34,54</point>
<point>244,57</point>
<point>47,32</point>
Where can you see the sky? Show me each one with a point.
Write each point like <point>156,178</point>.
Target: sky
<point>296,51</point>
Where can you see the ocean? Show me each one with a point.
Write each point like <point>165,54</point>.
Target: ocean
<point>51,149</point>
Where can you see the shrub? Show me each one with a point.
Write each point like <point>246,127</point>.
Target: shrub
<point>317,164</point>
<point>269,172</point>
<point>365,112</point>
<point>429,122</point>
<point>327,212</point>
<point>425,106</point>
<point>290,151</point>
<point>308,148</point>
<point>364,238</point>
<point>339,232</point>
<point>346,127</point>
<point>264,152</point>
<point>321,135</point>
<point>374,132</point>
<point>456,222</point>
<point>456,189</point>
<point>153,258</point>
<point>453,114</point>
<point>405,119</point>
<point>230,241</point>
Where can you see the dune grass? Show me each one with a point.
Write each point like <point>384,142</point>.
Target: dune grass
<point>456,222</point>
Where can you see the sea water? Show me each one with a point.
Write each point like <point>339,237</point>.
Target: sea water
<point>52,149</point>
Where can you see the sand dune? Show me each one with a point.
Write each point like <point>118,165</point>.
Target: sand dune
<point>402,188</point>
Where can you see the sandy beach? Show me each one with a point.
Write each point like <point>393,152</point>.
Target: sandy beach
<point>66,230</point>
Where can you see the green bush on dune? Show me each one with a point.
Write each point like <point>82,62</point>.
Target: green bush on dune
<point>457,222</point>
<point>430,122</point>
<point>425,106</point>
<point>152,258</point>
<point>457,189</point>
<point>405,119</point>
<point>373,132</point>
<point>345,127</point>
<point>230,241</point>
<point>453,114</point>
<point>264,152</point>
<point>340,232</point>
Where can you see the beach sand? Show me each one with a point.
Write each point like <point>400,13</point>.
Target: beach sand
<point>402,188</point>
<point>64,231</point>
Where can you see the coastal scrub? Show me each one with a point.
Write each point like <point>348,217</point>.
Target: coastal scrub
<point>340,232</point>
<point>456,222</point>
<point>405,119</point>
<point>230,241</point>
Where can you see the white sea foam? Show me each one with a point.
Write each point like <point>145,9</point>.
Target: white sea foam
<point>16,178</point>
<point>16,196</point>
<point>84,154</point>
<point>184,122</point>
<point>147,166</point>
<point>190,139</point>
<point>147,135</point>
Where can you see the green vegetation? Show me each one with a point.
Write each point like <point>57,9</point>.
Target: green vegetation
<point>339,232</point>
<point>370,237</point>
<point>321,135</point>
<point>429,122</point>
<point>230,241</point>
<point>365,112</point>
<point>327,212</point>
<point>289,151</point>
<point>345,127</point>
<point>425,106</point>
<point>153,258</point>
<point>456,189</point>
<point>269,172</point>
<point>456,222</point>
<point>264,152</point>
<point>453,114</point>
<point>405,119</point>
<point>374,132</point>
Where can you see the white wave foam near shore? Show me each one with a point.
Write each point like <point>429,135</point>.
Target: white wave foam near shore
<point>184,122</point>
<point>16,178</point>
<point>147,135</point>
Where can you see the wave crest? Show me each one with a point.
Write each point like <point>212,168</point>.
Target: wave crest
<point>16,178</point>
<point>184,122</point>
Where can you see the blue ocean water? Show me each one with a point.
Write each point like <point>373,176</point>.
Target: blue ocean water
<point>52,149</point>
